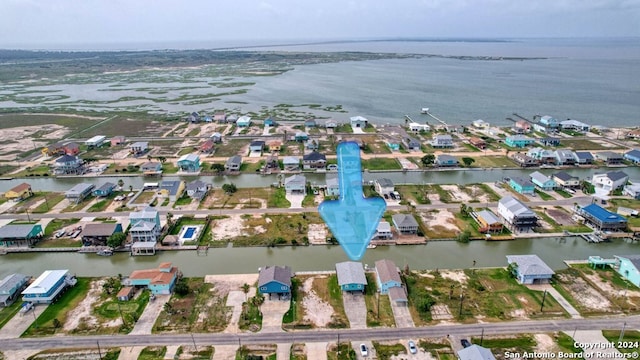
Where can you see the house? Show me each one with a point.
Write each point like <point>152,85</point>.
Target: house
<point>602,219</point>
<point>145,225</point>
<point>417,127</point>
<point>351,276</point>
<point>383,231</point>
<point>25,235</point>
<point>232,119</point>
<point>444,160</point>
<point>53,149</point>
<point>549,122</point>
<point>411,144</point>
<point>197,189</point>
<point>269,122</point>
<point>610,181</point>
<point>518,141</point>
<point>487,221</point>
<point>633,156</point>
<point>632,190</point>
<point>295,184</point>
<point>333,186</point>
<point>405,223</point>
<point>392,145</point>
<point>610,157</point>
<point>126,293</point>
<point>233,163</point>
<point>480,124</point>
<point>71,149</point>
<point>151,168</point>
<point>208,119</point>
<point>194,117</point>
<point>383,186</point>
<point>159,281</point>
<point>243,121</point>
<point>117,140</point>
<point>11,287</point>
<point>574,125</point>
<point>516,214</point>
<point>96,234</point>
<point>583,157</point>
<point>189,163</point>
<point>565,157</point>
<point>206,146</point>
<point>256,146</point>
<point>543,156</point>
<point>549,141</point>
<point>529,269</point>
<point>629,268</point>
<point>388,278</point>
<point>522,186</point>
<point>172,189</point>
<point>312,145</point>
<point>19,192</point>
<point>330,124</point>
<point>565,180</point>
<point>442,141</point>
<point>274,145</point>
<point>67,165</point>
<point>522,127</point>
<point>456,128</point>
<point>77,193</point>
<point>358,122</point>
<point>542,181</point>
<point>478,142</point>
<point>216,137</point>
<point>139,147</point>
<point>271,163</point>
<point>524,160</point>
<point>301,136</point>
<point>220,116</point>
<point>475,352</point>
<point>95,141</point>
<point>291,163</point>
<point>48,287</point>
<point>314,160</point>
<point>633,134</point>
<point>104,190</point>
<point>310,123</point>
<point>275,280</point>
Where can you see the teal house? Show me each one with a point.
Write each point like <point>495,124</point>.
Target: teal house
<point>630,268</point>
<point>393,145</point>
<point>522,186</point>
<point>189,163</point>
<point>275,280</point>
<point>159,281</point>
<point>518,141</point>
<point>543,181</point>
<point>269,122</point>
<point>20,235</point>
<point>351,276</point>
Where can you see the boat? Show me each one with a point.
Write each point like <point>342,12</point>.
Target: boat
<point>105,252</point>
<point>424,110</point>
<point>371,246</point>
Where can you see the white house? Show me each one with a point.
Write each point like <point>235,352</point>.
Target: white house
<point>333,186</point>
<point>383,231</point>
<point>95,141</point>
<point>610,181</point>
<point>480,124</point>
<point>383,186</point>
<point>296,184</point>
<point>359,122</point>
<point>48,286</point>
<point>416,127</point>
<point>516,214</point>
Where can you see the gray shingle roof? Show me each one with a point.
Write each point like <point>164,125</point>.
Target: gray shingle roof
<point>530,265</point>
<point>404,220</point>
<point>79,189</point>
<point>99,229</point>
<point>296,180</point>
<point>387,271</point>
<point>106,187</point>
<point>350,272</point>
<point>281,274</point>
<point>235,159</point>
<point>314,156</point>
<point>564,176</point>
<point>195,185</point>
<point>10,282</point>
<point>475,352</point>
<point>489,217</point>
<point>384,182</point>
<point>539,177</point>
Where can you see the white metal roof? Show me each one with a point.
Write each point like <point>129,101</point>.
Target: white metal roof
<point>45,282</point>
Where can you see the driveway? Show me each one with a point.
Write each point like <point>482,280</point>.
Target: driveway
<point>296,200</point>
<point>283,352</point>
<point>272,313</point>
<point>356,310</point>
<point>235,300</point>
<point>589,337</point>
<point>20,322</point>
<point>559,298</point>
<point>225,352</point>
<point>150,314</point>
<point>402,315</point>
<point>371,351</point>
<point>317,350</point>
<point>130,353</point>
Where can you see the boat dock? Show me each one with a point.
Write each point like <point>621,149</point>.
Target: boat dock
<point>593,238</point>
<point>436,119</point>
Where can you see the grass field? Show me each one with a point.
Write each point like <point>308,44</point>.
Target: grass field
<point>577,145</point>
<point>382,316</point>
<point>72,122</point>
<point>328,290</point>
<point>492,162</point>
<point>381,164</point>
<point>419,194</point>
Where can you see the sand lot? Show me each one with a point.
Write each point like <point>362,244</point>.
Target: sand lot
<point>585,294</point>
<point>317,311</point>
<point>81,315</point>
<point>444,218</point>
<point>27,141</point>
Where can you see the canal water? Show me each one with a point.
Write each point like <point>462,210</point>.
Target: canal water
<point>434,255</point>
<point>467,176</point>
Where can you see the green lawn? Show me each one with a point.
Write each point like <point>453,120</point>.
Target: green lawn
<point>419,194</point>
<point>381,164</point>
<point>40,170</point>
<point>386,352</point>
<point>630,337</point>
<point>57,224</point>
<point>277,199</point>
<point>564,194</point>
<point>152,353</point>
<point>578,145</point>
<point>492,162</point>
<point>51,200</point>
<point>544,196</point>
<point>251,317</point>
<point>6,313</point>
<point>382,316</point>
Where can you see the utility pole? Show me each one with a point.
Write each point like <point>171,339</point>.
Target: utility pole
<point>121,316</point>
<point>378,307</point>
<point>622,332</point>
<point>194,342</point>
<point>99,352</point>
<point>544,296</point>
<point>481,336</point>
<point>461,298</point>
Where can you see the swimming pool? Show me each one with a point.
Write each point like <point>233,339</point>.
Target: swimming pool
<point>189,233</point>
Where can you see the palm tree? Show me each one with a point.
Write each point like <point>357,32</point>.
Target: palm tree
<point>120,183</point>
<point>245,289</point>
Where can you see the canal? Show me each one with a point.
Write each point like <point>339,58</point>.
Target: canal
<point>434,255</point>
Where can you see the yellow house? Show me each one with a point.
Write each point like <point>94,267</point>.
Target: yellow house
<point>20,192</point>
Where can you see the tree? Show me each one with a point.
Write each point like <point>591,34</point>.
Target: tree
<point>229,188</point>
<point>257,300</point>
<point>245,289</point>
<point>467,161</point>
<point>120,183</point>
<point>428,160</point>
<point>182,287</point>
<point>56,323</point>
<point>116,240</point>
<point>464,236</point>
<point>169,219</point>
<point>162,159</point>
<point>217,167</point>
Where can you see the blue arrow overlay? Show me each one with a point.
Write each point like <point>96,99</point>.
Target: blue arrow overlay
<point>353,219</point>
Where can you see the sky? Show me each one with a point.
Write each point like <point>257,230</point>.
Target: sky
<point>72,23</point>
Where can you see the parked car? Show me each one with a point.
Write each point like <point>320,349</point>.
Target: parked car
<point>412,347</point>
<point>363,350</point>
<point>465,343</point>
<point>392,196</point>
<point>386,196</point>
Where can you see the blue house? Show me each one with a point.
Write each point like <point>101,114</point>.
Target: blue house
<point>275,280</point>
<point>20,234</point>
<point>301,136</point>
<point>522,186</point>
<point>549,122</point>
<point>189,163</point>
<point>351,276</point>
<point>629,268</point>
<point>446,160</point>
<point>633,156</point>
<point>310,123</point>
<point>11,286</point>
<point>159,281</point>
<point>518,141</point>
<point>269,122</point>
<point>392,145</point>
<point>243,121</point>
<point>387,275</point>
<point>104,190</point>
<point>358,121</point>
<point>48,287</point>
<point>602,219</point>
<point>543,181</point>
<point>529,269</point>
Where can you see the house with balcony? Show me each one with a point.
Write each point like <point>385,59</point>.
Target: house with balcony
<point>542,181</point>
<point>197,189</point>
<point>610,157</point>
<point>417,127</point>
<point>233,163</point>
<point>314,160</point>
<point>189,163</point>
<point>256,146</point>
<point>291,163</point>
<point>445,160</point>
<point>549,121</point>
<point>405,224</point>
<point>575,125</point>
<point>488,222</point>
<point>351,276</point>
<point>524,160</point>
<point>565,180</point>
<point>583,157</point>
<point>151,168</point>
<point>530,269</point>
<point>610,181</point>
<point>145,225</point>
<point>97,234</point>
<point>389,281</point>
<point>602,219</point>
<point>333,186</point>
<point>243,121</point>
<point>633,156</point>
<point>516,215</point>
<point>522,186</point>
<point>565,157</point>
<point>48,287</point>
<point>104,190</point>
<point>358,122</point>
<point>295,184</point>
<point>139,148</point>
<point>19,192</point>
<point>383,231</point>
<point>20,235</point>
<point>442,141</point>
<point>159,281</point>
<point>11,287</point>
<point>79,192</point>
<point>95,141</point>
<point>220,117</point>
<point>68,165</point>
<point>411,144</point>
<point>543,156</point>
<point>518,141</point>
<point>275,280</point>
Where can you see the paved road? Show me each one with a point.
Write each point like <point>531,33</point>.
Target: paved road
<point>462,330</point>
